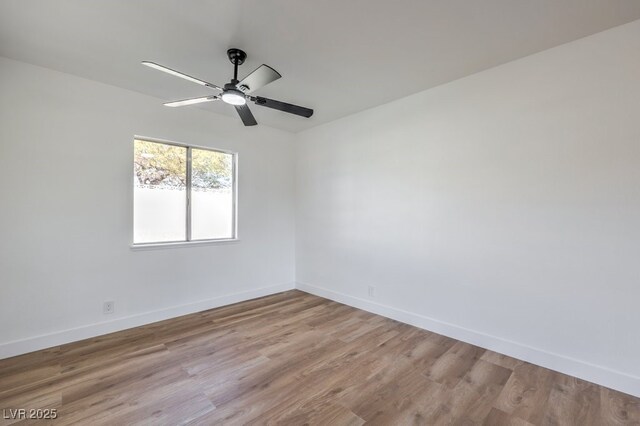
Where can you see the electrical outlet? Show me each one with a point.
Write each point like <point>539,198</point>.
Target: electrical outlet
<point>109,307</point>
<point>372,291</point>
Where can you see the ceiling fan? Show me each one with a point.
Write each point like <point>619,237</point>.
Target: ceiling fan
<point>238,92</point>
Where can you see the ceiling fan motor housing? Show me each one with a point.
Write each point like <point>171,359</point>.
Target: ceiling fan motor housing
<point>236,56</point>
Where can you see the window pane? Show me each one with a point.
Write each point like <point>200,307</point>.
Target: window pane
<point>211,195</point>
<point>160,191</point>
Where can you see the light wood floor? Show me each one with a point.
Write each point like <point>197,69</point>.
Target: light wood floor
<point>296,359</point>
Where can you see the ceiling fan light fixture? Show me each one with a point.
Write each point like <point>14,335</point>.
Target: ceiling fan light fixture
<point>233,97</point>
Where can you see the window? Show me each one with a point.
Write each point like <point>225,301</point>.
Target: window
<point>182,193</point>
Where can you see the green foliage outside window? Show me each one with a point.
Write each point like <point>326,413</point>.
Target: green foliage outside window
<point>163,165</point>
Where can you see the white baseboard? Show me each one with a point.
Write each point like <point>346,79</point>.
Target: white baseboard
<point>574,367</point>
<point>19,347</point>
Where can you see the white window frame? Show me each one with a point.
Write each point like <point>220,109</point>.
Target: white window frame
<point>189,241</point>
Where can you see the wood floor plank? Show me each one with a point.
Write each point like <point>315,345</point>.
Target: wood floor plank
<point>472,398</point>
<point>454,364</point>
<point>526,393</point>
<point>293,358</point>
<point>618,408</point>
<point>500,418</point>
<point>501,360</point>
<point>573,402</point>
<point>392,402</point>
<point>29,368</point>
<point>328,414</point>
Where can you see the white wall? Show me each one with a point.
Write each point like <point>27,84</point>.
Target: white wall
<point>66,152</point>
<point>502,208</point>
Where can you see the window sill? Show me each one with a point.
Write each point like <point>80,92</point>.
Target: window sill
<point>157,246</point>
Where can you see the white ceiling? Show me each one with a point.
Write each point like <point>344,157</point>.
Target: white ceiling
<point>336,56</point>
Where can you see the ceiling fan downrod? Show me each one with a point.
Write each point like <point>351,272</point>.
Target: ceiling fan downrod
<point>237,58</point>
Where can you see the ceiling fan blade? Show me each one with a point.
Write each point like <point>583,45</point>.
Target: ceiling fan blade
<point>245,114</point>
<point>260,77</point>
<point>180,74</point>
<point>282,106</point>
<point>191,101</point>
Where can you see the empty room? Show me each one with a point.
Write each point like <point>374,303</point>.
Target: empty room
<point>296,212</point>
